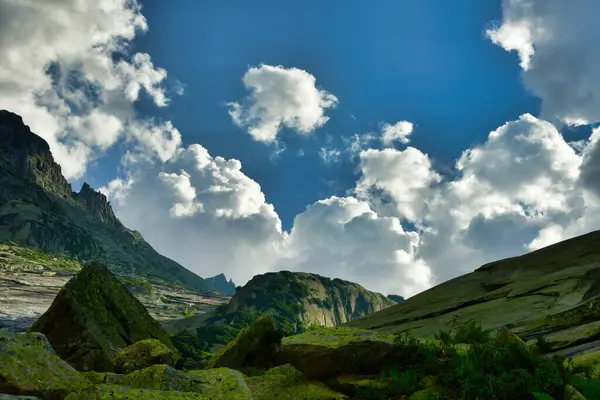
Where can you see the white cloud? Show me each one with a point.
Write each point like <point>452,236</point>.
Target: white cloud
<point>400,131</point>
<point>281,97</point>
<point>46,46</point>
<point>330,155</point>
<point>405,176</point>
<point>557,42</point>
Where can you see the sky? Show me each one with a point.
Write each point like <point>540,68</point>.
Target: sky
<point>397,145</point>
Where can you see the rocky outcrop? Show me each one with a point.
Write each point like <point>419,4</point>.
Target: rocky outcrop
<point>29,156</point>
<point>307,299</point>
<point>39,209</point>
<point>255,346</point>
<point>324,352</point>
<point>93,317</point>
<point>220,283</point>
<point>552,294</point>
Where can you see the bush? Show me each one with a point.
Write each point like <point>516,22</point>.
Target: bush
<point>489,369</point>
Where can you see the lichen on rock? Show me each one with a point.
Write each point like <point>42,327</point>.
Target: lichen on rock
<point>222,383</point>
<point>256,346</point>
<point>93,317</point>
<point>28,367</point>
<point>325,352</point>
<point>143,354</point>
<point>287,383</point>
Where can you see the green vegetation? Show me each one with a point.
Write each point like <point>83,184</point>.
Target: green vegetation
<point>469,363</point>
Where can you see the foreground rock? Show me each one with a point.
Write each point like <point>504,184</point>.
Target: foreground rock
<point>115,392</point>
<point>255,346</point>
<point>324,352</point>
<point>92,317</point>
<point>222,383</point>
<point>144,354</point>
<point>287,383</point>
<point>28,366</point>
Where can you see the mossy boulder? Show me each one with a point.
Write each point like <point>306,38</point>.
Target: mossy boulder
<point>353,384</point>
<point>143,354</point>
<point>11,397</point>
<point>504,335</point>
<point>255,346</point>
<point>163,377</point>
<point>116,392</point>
<point>29,367</point>
<point>325,352</point>
<point>104,377</point>
<point>287,383</point>
<point>93,317</point>
<point>223,383</point>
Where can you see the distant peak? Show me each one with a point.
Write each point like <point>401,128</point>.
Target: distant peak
<point>95,203</point>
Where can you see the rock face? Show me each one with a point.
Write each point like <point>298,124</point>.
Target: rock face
<point>307,299</point>
<point>94,316</point>
<point>29,366</point>
<point>552,293</point>
<point>324,352</point>
<point>39,209</point>
<point>144,354</point>
<point>220,283</point>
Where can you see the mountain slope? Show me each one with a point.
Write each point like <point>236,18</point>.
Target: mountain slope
<point>552,293</point>
<point>39,209</point>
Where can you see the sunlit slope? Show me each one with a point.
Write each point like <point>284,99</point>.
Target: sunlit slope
<point>547,281</point>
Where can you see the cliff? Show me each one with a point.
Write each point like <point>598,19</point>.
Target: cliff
<point>39,209</point>
<point>307,299</point>
<point>220,283</point>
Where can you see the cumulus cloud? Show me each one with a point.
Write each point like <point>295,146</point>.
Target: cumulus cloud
<point>281,98</point>
<point>66,69</point>
<point>557,43</point>
<point>400,132</point>
<point>406,177</point>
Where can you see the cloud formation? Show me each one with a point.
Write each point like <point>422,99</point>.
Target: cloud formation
<point>557,43</point>
<point>280,98</point>
<point>67,71</point>
<point>400,132</point>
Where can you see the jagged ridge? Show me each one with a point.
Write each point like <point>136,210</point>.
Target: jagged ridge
<point>39,209</point>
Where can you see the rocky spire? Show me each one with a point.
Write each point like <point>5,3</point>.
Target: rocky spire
<point>29,155</point>
<point>96,204</point>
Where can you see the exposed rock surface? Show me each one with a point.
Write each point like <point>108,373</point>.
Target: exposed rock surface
<point>313,299</point>
<point>39,209</point>
<point>92,317</point>
<point>552,293</point>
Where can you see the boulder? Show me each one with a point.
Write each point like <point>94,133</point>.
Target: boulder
<point>104,377</point>
<point>255,346</point>
<point>504,335</point>
<point>325,352</point>
<point>93,317</point>
<point>287,383</point>
<point>116,392</point>
<point>143,354</point>
<point>28,366</point>
<point>223,383</point>
<point>162,377</point>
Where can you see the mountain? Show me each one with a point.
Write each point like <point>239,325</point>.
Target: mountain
<point>550,295</point>
<point>39,209</point>
<point>220,283</point>
<point>395,298</point>
<point>307,299</point>
<point>295,300</point>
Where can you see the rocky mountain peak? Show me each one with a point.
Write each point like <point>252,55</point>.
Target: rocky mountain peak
<point>29,155</point>
<point>95,203</point>
<point>221,283</point>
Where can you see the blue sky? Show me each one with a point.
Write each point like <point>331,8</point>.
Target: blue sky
<point>503,97</point>
<point>427,62</point>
